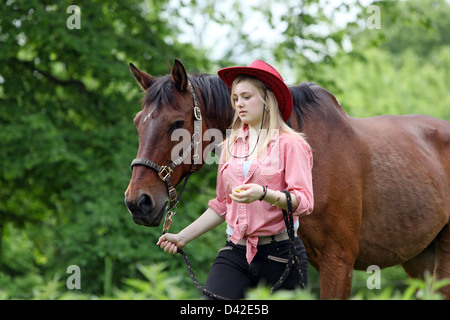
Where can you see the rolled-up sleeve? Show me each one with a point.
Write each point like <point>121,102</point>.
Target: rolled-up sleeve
<point>298,175</point>
<point>219,204</point>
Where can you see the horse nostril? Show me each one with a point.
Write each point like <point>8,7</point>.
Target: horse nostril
<point>128,203</point>
<point>145,203</point>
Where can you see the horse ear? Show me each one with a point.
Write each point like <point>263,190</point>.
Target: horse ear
<point>179,75</point>
<point>145,80</point>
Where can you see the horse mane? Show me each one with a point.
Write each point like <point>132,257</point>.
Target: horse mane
<point>216,96</point>
<point>161,92</point>
<point>215,93</point>
<point>305,100</point>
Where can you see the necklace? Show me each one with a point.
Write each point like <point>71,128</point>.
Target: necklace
<point>254,148</point>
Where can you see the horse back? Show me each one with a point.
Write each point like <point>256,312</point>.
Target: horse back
<point>418,140</point>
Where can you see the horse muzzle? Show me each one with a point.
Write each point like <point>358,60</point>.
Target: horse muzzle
<point>144,211</point>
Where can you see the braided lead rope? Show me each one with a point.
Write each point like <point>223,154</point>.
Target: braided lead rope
<point>293,258</point>
<point>196,282</point>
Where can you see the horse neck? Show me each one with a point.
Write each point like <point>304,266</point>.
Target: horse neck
<point>316,111</point>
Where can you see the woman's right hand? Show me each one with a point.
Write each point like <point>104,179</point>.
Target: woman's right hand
<point>170,243</point>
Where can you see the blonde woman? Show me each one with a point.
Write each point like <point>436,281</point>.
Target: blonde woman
<point>261,157</point>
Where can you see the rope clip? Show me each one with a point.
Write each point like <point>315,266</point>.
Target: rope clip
<point>168,221</point>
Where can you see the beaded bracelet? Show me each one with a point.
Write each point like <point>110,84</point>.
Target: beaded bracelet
<point>264,193</point>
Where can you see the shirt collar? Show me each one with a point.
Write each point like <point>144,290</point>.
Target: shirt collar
<point>243,134</point>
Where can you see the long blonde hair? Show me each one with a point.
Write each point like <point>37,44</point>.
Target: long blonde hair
<point>273,120</point>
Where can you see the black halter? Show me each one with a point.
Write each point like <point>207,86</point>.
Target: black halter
<point>165,172</point>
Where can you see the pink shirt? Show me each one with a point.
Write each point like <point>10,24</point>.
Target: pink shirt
<point>286,165</point>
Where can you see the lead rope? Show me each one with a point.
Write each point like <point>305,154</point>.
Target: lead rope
<point>167,222</point>
<point>293,257</point>
<point>292,261</point>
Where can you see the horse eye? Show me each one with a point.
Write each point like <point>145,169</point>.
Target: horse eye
<point>176,125</point>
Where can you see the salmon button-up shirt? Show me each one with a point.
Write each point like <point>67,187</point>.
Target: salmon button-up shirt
<point>285,165</point>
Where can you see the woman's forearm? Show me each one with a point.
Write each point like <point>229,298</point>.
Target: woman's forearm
<point>273,195</point>
<point>207,221</point>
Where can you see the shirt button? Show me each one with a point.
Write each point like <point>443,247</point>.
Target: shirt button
<point>242,207</point>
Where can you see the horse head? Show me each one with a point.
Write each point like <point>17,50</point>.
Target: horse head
<point>170,104</point>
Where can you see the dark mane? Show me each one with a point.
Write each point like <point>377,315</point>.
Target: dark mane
<point>216,96</point>
<point>214,92</point>
<point>161,92</point>
<point>305,100</point>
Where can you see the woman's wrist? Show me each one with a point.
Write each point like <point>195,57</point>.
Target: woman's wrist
<point>183,239</point>
<point>264,193</point>
<point>272,196</point>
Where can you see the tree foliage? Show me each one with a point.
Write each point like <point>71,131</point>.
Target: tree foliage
<point>67,103</point>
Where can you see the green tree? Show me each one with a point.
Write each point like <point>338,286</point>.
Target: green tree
<point>420,26</point>
<point>67,103</point>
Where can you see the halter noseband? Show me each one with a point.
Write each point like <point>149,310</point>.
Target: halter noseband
<point>165,172</point>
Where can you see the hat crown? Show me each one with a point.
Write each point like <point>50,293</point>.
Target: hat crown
<point>261,64</point>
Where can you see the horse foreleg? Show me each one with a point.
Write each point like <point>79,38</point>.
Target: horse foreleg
<point>336,271</point>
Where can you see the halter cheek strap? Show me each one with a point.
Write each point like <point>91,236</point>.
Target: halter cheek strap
<point>165,172</point>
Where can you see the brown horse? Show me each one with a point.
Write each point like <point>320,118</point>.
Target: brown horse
<point>381,184</point>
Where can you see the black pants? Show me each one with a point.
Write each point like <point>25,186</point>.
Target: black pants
<point>231,275</point>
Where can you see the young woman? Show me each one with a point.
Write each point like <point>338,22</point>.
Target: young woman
<point>261,157</point>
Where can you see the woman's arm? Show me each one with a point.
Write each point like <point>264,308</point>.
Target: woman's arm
<point>251,192</point>
<point>169,242</point>
<point>272,196</point>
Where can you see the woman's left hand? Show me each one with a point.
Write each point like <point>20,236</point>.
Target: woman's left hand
<point>247,193</point>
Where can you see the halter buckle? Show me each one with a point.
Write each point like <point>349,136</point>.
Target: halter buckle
<point>165,172</point>
<point>172,194</point>
<point>197,113</point>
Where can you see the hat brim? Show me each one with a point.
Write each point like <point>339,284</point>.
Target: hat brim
<point>275,84</point>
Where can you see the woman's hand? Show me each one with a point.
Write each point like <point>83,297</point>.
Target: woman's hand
<point>247,193</point>
<point>170,243</point>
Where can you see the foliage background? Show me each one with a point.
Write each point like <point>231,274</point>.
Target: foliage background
<point>67,101</point>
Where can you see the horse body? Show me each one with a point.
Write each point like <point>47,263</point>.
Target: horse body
<point>405,190</point>
<point>380,184</point>
<point>381,194</point>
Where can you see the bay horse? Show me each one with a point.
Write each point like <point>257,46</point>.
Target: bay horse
<point>381,184</point>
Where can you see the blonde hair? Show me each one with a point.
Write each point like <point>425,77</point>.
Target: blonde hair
<point>273,120</point>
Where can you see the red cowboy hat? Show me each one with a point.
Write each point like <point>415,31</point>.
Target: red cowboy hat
<point>271,78</point>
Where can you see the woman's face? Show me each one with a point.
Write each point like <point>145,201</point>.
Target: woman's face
<point>248,103</point>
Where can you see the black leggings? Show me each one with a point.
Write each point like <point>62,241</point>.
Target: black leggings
<point>231,275</point>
